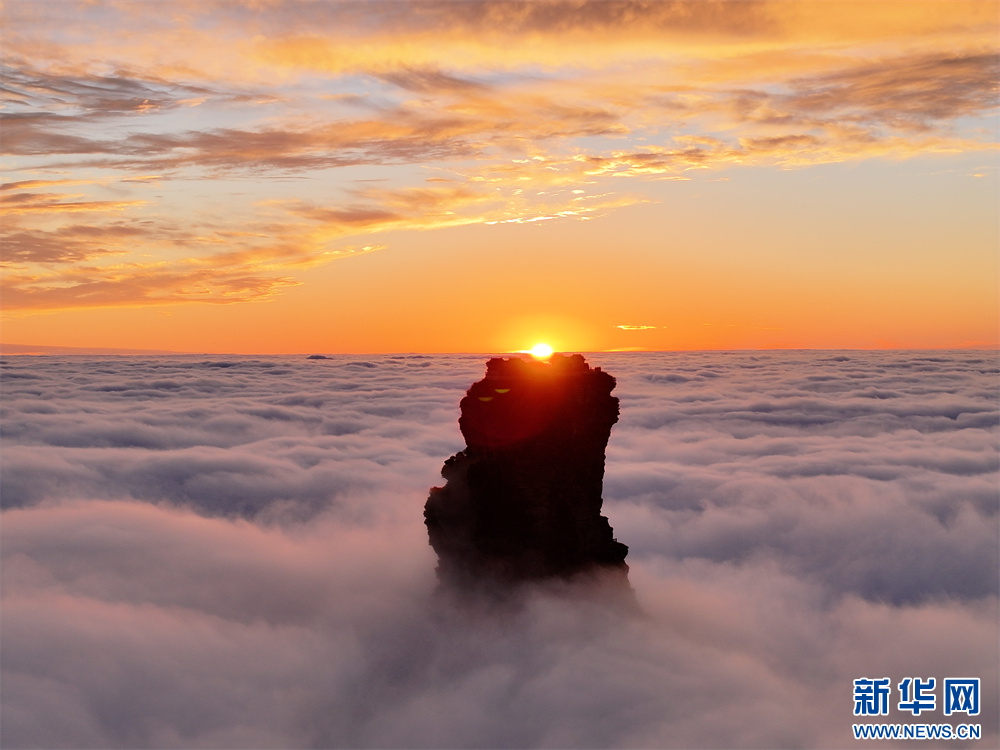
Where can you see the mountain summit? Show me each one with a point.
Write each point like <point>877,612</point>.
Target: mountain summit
<point>523,500</point>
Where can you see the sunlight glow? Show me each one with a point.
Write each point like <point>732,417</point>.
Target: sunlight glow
<point>541,351</point>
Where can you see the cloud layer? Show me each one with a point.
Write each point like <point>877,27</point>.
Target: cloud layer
<point>230,553</point>
<point>477,108</point>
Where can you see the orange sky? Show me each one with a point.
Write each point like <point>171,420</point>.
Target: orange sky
<point>278,177</point>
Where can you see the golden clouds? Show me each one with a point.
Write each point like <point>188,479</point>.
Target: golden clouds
<point>301,126</point>
<point>72,250</point>
<point>131,285</point>
<point>20,203</point>
<point>698,41</point>
<point>253,43</point>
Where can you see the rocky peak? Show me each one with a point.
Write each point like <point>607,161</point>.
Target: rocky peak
<point>523,500</point>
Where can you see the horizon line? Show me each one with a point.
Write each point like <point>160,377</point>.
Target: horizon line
<point>42,350</point>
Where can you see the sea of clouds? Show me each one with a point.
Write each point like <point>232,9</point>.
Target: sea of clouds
<point>230,552</point>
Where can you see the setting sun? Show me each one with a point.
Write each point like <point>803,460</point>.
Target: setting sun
<point>541,351</point>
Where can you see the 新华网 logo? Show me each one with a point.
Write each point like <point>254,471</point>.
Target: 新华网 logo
<point>959,695</point>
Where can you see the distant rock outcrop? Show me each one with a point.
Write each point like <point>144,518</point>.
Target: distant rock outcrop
<point>523,500</point>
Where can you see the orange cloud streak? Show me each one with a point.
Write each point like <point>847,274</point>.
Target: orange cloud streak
<point>504,112</point>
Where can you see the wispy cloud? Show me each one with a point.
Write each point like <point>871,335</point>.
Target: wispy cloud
<point>519,104</point>
<point>17,203</point>
<point>134,284</point>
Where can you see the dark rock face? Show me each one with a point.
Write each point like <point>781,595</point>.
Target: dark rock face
<point>523,500</point>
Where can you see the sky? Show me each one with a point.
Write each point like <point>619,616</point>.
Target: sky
<point>277,177</point>
<point>229,552</point>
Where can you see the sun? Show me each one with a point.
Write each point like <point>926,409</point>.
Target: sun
<point>541,351</point>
